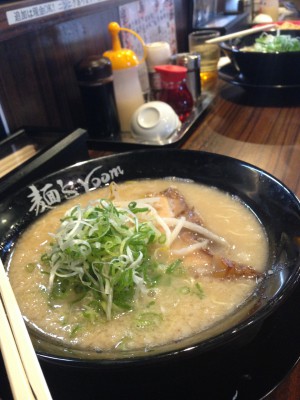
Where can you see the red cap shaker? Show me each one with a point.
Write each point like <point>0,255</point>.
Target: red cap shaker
<point>174,89</point>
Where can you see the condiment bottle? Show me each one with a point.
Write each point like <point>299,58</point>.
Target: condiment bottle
<point>95,79</point>
<point>174,89</point>
<point>158,53</point>
<point>127,86</point>
<point>192,62</point>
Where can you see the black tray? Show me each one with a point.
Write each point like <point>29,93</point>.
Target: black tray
<point>125,141</point>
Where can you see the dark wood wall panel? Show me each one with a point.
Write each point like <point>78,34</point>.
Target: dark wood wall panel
<point>38,86</point>
<point>10,31</point>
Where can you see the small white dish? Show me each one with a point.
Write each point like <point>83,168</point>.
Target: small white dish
<point>154,121</point>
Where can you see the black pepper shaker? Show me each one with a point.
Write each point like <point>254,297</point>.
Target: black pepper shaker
<point>95,79</point>
<point>192,62</point>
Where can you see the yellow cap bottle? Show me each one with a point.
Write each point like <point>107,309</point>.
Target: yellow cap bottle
<point>127,87</point>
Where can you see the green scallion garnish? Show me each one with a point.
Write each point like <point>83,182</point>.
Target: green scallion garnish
<point>105,249</point>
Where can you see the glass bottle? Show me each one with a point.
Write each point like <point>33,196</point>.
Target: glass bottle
<point>174,89</point>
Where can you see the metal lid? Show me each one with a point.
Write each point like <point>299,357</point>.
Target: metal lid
<point>189,60</point>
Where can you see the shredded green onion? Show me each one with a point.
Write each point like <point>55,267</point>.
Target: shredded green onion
<point>199,290</point>
<point>105,255</point>
<point>148,320</point>
<point>30,267</point>
<point>105,249</point>
<point>268,43</point>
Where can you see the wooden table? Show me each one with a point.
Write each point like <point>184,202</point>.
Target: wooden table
<point>262,129</point>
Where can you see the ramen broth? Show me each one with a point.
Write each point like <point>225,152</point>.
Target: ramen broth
<point>181,305</point>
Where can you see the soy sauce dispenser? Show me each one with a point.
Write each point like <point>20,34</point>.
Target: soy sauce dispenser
<point>127,86</point>
<point>95,80</point>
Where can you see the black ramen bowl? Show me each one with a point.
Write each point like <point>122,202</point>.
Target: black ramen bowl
<point>257,68</point>
<point>274,204</point>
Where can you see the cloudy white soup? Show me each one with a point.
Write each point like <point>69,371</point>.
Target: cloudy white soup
<point>138,264</point>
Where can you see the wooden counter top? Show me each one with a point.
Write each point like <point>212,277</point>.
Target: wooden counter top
<point>262,129</point>
<point>254,127</point>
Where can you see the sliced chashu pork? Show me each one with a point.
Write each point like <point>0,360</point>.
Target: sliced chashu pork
<point>209,260</point>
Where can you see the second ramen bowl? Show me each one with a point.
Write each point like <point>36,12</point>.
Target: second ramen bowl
<point>268,69</point>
